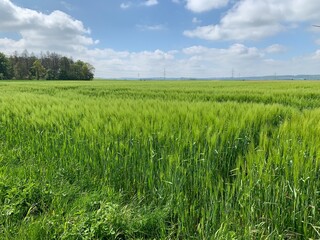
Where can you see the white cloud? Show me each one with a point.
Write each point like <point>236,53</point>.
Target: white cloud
<point>196,20</point>
<point>112,64</point>
<point>198,61</point>
<point>150,3</point>
<point>238,51</point>
<point>145,3</point>
<point>157,27</point>
<point>125,5</point>
<point>67,5</point>
<point>276,48</point>
<point>246,61</point>
<point>205,5</point>
<point>256,19</point>
<point>56,31</point>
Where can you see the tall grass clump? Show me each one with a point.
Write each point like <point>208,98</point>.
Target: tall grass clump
<point>159,160</point>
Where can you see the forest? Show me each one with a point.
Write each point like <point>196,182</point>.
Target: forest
<point>47,66</point>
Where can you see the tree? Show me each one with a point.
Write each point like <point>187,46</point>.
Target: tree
<point>39,70</point>
<point>81,71</point>
<point>51,62</point>
<point>4,67</point>
<point>64,68</point>
<point>76,70</point>
<point>87,71</point>
<point>22,65</point>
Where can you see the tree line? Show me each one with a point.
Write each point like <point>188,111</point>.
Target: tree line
<point>49,66</point>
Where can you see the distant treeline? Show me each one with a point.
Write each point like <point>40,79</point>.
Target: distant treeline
<point>49,66</point>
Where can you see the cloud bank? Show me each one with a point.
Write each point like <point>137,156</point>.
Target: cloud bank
<point>255,19</point>
<point>199,6</point>
<point>55,31</point>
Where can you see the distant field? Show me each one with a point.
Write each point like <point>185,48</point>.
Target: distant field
<point>160,160</point>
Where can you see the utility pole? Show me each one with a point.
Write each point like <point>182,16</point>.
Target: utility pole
<point>232,73</point>
<point>164,73</point>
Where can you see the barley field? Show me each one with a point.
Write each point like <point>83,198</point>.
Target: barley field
<point>160,160</point>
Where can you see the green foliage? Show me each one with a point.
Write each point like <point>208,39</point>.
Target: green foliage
<point>4,67</point>
<point>39,70</point>
<point>49,66</point>
<point>159,160</point>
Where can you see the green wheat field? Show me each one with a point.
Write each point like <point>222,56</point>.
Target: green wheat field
<point>160,160</point>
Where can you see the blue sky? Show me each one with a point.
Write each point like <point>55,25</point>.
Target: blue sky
<point>188,38</point>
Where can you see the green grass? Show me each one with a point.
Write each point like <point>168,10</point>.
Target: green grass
<point>159,160</point>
